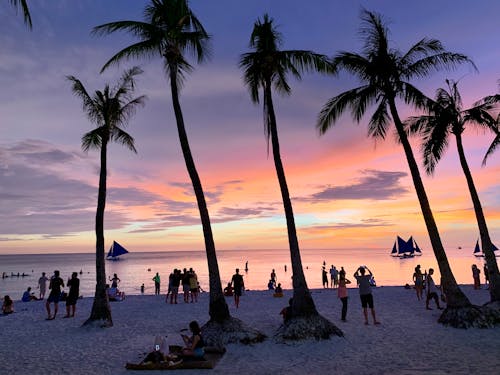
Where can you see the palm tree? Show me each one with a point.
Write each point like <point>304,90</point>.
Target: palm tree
<point>385,74</point>
<point>493,99</point>
<point>171,30</point>
<point>266,67</point>
<point>447,116</point>
<point>109,110</point>
<point>24,7</point>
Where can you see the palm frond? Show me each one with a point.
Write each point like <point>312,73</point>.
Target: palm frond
<point>492,148</point>
<point>380,121</point>
<point>122,137</point>
<point>26,12</point>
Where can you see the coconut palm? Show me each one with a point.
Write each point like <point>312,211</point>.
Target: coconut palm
<point>266,68</point>
<point>109,110</point>
<point>171,30</point>
<point>26,12</point>
<point>385,74</point>
<point>493,99</point>
<point>446,117</point>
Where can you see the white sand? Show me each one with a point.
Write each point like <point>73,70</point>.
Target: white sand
<point>409,341</point>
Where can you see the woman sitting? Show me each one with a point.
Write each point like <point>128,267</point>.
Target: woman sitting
<point>8,305</point>
<point>228,290</point>
<point>194,344</point>
<point>278,292</point>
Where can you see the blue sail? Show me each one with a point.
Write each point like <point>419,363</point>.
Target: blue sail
<point>116,250</point>
<point>403,246</point>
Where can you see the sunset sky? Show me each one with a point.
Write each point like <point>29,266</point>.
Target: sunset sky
<point>347,191</point>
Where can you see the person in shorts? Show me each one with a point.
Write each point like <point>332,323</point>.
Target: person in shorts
<point>74,291</point>
<point>365,292</point>
<point>238,285</point>
<point>56,283</point>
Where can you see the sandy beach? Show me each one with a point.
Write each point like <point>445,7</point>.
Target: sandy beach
<point>409,340</point>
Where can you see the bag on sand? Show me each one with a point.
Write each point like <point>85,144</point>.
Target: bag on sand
<point>160,344</point>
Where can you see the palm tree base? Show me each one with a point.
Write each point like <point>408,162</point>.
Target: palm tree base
<point>98,323</point>
<point>472,316</point>
<point>231,330</point>
<point>312,326</point>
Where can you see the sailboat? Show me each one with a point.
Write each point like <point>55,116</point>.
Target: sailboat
<point>405,249</point>
<point>479,253</point>
<point>115,251</point>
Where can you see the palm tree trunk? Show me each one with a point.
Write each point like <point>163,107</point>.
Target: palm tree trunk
<point>455,298</point>
<point>303,304</point>
<point>218,309</point>
<point>100,308</point>
<point>481,222</point>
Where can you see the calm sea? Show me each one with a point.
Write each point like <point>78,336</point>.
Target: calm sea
<point>135,269</point>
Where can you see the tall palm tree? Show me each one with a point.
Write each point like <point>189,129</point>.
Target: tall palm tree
<point>171,30</point>
<point>26,12</point>
<point>446,117</point>
<point>385,74</point>
<point>109,110</point>
<point>266,68</point>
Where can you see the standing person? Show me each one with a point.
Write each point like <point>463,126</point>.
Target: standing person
<point>176,282</point>
<point>114,281</point>
<point>246,266</point>
<point>475,276</point>
<point>324,277</point>
<point>74,293</point>
<point>486,276</point>
<point>169,291</point>
<point>156,279</point>
<point>365,292</point>
<point>342,294</point>
<point>418,279</point>
<point>431,290</point>
<point>185,284</point>
<point>238,285</point>
<point>193,285</point>
<point>273,277</point>
<point>335,275</point>
<point>42,284</point>
<point>56,283</point>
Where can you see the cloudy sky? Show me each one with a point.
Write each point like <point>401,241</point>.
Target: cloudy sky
<point>348,191</point>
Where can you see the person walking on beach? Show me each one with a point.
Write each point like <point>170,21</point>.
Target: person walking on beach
<point>114,281</point>
<point>74,292</point>
<point>238,285</point>
<point>365,292</point>
<point>42,284</point>
<point>156,279</point>
<point>475,276</point>
<point>56,283</point>
<point>334,276</point>
<point>418,279</point>
<point>342,293</point>
<point>431,290</point>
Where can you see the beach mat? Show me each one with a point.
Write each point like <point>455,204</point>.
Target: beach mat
<point>210,361</point>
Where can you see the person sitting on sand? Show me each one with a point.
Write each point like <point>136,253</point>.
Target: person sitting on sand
<point>431,290</point>
<point>228,290</point>
<point>278,292</point>
<point>195,346</point>
<point>114,294</point>
<point>365,292</point>
<point>28,296</point>
<point>7,306</point>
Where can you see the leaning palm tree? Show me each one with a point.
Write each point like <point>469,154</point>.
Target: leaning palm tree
<point>496,142</point>
<point>26,12</point>
<point>171,30</point>
<point>266,68</point>
<point>446,117</point>
<point>385,74</point>
<point>109,110</point>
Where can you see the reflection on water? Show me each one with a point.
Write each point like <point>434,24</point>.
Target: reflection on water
<point>138,268</point>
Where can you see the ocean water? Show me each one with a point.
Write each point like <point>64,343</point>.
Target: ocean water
<point>134,269</point>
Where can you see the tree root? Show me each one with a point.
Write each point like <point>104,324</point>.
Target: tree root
<point>314,326</point>
<point>232,330</point>
<point>470,317</point>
